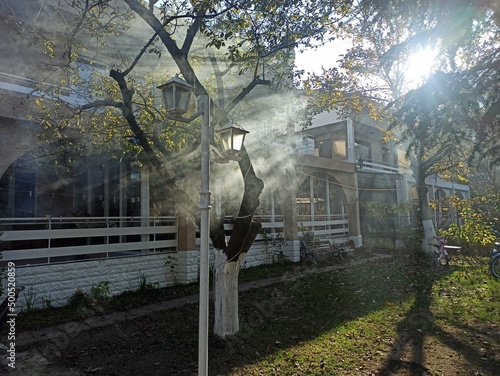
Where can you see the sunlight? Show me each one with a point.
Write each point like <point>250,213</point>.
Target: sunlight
<point>419,66</point>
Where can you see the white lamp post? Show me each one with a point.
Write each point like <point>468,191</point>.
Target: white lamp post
<point>176,96</point>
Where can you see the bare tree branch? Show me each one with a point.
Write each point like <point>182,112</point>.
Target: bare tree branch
<point>256,81</point>
<point>102,103</point>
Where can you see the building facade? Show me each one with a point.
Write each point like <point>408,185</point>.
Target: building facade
<point>71,219</point>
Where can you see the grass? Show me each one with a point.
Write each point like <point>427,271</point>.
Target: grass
<point>342,322</point>
<point>468,295</point>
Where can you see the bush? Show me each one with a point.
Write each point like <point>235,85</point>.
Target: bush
<point>92,301</point>
<point>475,230</point>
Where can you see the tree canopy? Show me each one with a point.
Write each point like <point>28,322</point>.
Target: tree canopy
<point>442,119</point>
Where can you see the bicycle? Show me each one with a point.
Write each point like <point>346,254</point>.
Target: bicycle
<point>441,258</point>
<point>495,261</point>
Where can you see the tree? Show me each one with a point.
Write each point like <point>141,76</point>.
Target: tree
<point>251,35</point>
<point>441,119</point>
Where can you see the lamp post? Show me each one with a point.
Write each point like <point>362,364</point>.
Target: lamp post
<point>176,97</point>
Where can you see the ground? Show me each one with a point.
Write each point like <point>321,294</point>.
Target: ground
<point>164,342</point>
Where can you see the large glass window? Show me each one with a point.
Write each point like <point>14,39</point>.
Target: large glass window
<point>336,199</point>
<point>91,185</point>
<point>304,198</point>
<point>320,195</point>
<point>24,194</point>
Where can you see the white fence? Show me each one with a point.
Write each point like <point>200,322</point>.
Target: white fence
<point>271,225</point>
<point>30,241</point>
<point>325,225</point>
<point>48,240</point>
<point>371,165</point>
<point>55,256</point>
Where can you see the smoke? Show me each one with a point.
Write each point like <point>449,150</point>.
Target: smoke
<point>268,117</point>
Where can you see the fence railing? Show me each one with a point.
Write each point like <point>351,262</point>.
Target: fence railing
<point>66,239</point>
<point>370,165</point>
<point>63,239</point>
<point>271,225</point>
<point>325,226</point>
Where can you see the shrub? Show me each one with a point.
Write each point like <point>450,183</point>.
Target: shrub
<point>91,301</point>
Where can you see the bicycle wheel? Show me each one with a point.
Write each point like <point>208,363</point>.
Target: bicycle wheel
<point>440,260</point>
<point>445,260</point>
<point>435,259</point>
<point>495,267</point>
<point>303,251</point>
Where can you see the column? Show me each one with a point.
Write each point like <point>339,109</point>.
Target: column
<point>351,141</point>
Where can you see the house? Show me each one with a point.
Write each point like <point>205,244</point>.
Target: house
<point>71,219</point>
<point>380,175</point>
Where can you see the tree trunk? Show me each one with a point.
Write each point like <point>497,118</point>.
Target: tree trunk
<point>228,260</point>
<point>226,295</point>
<point>425,210</point>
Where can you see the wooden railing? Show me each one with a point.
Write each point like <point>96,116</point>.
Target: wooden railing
<point>63,239</point>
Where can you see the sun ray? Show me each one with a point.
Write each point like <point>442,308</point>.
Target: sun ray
<point>419,66</point>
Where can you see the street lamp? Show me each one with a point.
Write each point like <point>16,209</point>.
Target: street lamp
<point>176,97</point>
<point>232,136</point>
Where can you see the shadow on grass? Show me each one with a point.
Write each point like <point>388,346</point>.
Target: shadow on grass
<point>408,353</point>
<point>286,315</point>
<point>275,320</point>
<point>417,324</point>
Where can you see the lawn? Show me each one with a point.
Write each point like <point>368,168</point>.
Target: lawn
<point>391,316</point>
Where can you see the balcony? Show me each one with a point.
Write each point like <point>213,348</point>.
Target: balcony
<point>370,165</point>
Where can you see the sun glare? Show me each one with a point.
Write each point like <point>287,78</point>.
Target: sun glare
<point>419,66</point>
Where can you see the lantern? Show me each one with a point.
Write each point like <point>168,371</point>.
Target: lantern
<point>176,95</point>
<point>232,136</point>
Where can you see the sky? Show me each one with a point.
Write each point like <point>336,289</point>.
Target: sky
<point>324,56</point>
<point>419,66</point>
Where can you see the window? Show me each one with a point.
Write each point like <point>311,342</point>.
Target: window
<point>324,148</point>
<point>320,195</point>
<point>363,150</point>
<point>387,156</point>
<point>339,148</point>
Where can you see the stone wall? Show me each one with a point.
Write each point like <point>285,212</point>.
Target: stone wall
<point>57,282</point>
<point>263,252</point>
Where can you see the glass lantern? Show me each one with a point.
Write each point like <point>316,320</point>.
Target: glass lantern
<point>176,95</point>
<point>232,136</point>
